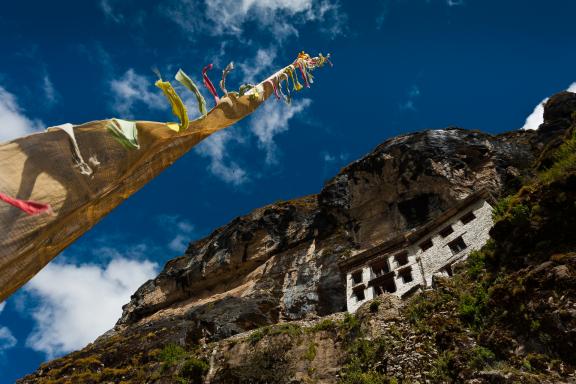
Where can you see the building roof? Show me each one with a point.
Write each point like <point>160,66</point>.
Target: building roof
<point>413,236</point>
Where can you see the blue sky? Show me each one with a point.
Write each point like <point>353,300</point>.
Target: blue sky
<point>399,66</point>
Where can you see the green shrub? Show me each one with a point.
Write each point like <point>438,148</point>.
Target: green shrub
<point>311,351</point>
<point>290,329</point>
<point>324,325</point>
<point>349,326</point>
<point>366,363</point>
<point>564,161</point>
<point>476,264</point>
<point>443,366</point>
<point>257,335</point>
<point>472,304</point>
<point>519,213</point>
<point>171,354</point>
<point>481,357</point>
<point>194,369</point>
<point>501,208</point>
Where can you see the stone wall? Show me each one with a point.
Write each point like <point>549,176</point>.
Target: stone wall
<point>423,262</point>
<point>475,234</point>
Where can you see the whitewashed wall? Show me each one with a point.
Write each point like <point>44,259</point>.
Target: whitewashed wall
<point>475,234</point>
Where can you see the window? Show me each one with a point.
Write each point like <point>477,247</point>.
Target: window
<point>457,245</point>
<point>387,285</point>
<point>359,294</point>
<point>406,275</point>
<point>448,270</point>
<point>468,218</point>
<point>380,268</point>
<point>426,244</point>
<point>402,258</point>
<point>446,231</point>
<point>357,277</point>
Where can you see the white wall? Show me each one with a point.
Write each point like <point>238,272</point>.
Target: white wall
<point>475,234</point>
<point>351,302</point>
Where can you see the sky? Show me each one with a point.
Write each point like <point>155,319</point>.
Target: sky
<point>399,66</point>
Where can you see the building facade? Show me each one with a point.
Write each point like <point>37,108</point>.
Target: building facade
<point>407,263</point>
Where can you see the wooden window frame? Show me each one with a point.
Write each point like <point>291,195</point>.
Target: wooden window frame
<point>424,245</point>
<point>467,218</point>
<point>406,272</point>
<point>357,273</point>
<point>447,231</point>
<point>456,241</point>
<point>402,256</point>
<point>359,292</point>
<point>381,265</point>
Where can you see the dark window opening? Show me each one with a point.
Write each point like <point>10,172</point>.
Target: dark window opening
<point>468,218</point>
<point>380,268</point>
<point>357,277</point>
<point>457,245</point>
<point>448,270</point>
<point>359,294</point>
<point>406,275</point>
<point>402,258</point>
<point>387,285</point>
<point>446,231</point>
<point>426,245</point>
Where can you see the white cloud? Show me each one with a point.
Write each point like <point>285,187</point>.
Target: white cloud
<point>281,17</point>
<point>215,149</point>
<point>536,118</point>
<point>77,303</point>
<point>271,120</point>
<point>106,253</point>
<point>180,229</point>
<point>229,16</point>
<point>123,12</point>
<point>132,89</point>
<point>49,92</point>
<point>179,243</point>
<point>331,18</point>
<point>13,122</point>
<point>413,94</point>
<point>454,3</point>
<point>110,12</point>
<point>261,63</point>
<point>7,339</point>
<point>329,158</point>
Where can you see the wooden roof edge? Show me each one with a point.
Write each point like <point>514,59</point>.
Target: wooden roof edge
<point>361,257</point>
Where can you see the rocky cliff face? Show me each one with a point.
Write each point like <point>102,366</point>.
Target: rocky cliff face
<point>279,263</point>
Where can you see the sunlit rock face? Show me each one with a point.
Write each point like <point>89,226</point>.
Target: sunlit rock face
<point>280,262</point>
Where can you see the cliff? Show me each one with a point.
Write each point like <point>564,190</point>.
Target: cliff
<point>260,299</point>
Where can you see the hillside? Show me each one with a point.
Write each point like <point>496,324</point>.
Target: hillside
<point>261,299</point>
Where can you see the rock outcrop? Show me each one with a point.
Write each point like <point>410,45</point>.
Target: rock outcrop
<point>279,264</point>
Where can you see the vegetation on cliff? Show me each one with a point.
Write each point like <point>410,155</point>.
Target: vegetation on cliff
<point>509,314</point>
